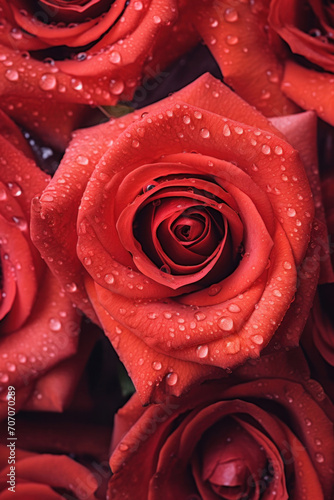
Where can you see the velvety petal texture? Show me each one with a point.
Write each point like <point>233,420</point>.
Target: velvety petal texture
<point>275,53</point>
<point>45,477</point>
<point>93,52</point>
<point>263,438</point>
<point>185,225</point>
<point>39,327</point>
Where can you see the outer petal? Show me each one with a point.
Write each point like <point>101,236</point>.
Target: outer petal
<point>310,89</point>
<point>235,33</point>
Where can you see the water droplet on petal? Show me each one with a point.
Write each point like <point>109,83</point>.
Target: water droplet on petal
<point>234,308</point>
<point>76,84</point>
<point>116,87</point>
<point>278,150</point>
<point>115,57</point>
<point>291,212</point>
<point>12,75</point>
<point>266,150</point>
<point>82,160</point>
<point>231,15</point>
<point>71,287</point>
<point>257,339</point>
<point>123,447</point>
<point>319,458</point>
<point>48,82</point>
<point>54,324</point>
<point>226,324</point>
<point>172,379</point>
<point>277,293</point>
<point>287,265</point>
<point>202,351</point>
<point>138,6</point>
<point>232,40</point>
<point>226,130</point>
<point>22,358</point>
<point>157,365</point>
<point>233,347</point>
<point>205,133</point>
<point>200,316</point>
<point>11,367</point>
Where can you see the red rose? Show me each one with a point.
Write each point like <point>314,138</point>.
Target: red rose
<point>43,476</point>
<point>195,214</point>
<point>39,327</point>
<point>267,438</point>
<point>93,52</point>
<point>269,47</point>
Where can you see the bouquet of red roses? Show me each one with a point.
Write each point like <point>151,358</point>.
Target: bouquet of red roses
<point>166,225</point>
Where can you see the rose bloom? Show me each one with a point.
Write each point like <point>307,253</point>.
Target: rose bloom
<point>182,227</point>
<point>43,476</point>
<point>265,438</point>
<point>38,325</point>
<point>85,51</point>
<point>273,51</point>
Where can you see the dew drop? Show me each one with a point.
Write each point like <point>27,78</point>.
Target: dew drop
<point>200,316</point>
<point>48,82</point>
<point>11,367</point>
<point>172,378</point>
<point>202,351</point>
<point>287,265</point>
<point>76,84</point>
<point>266,149</point>
<point>3,194</point>
<point>214,290</point>
<point>156,19</point>
<point>135,143</point>
<point>123,447</point>
<point>239,130</point>
<point>233,347</point>
<point>186,119</point>
<point>226,324</point>
<point>12,75</point>
<point>319,458</point>
<point>234,308</point>
<point>257,339</point>
<point>231,15</point>
<point>291,212</point>
<point>205,133</point>
<point>116,87</point>
<point>157,365</point>
<point>278,150</point>
<point>22,358</point>
<point>232,40</point>
<point>82,160</point>
<point>4,378</point>
<point>115,57</point>
<point>54,324</point>
<point>138,6</point>
<point>71,287</point>
<point>198,115</point>
<point>226,130</point>
<point>277,293</point>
